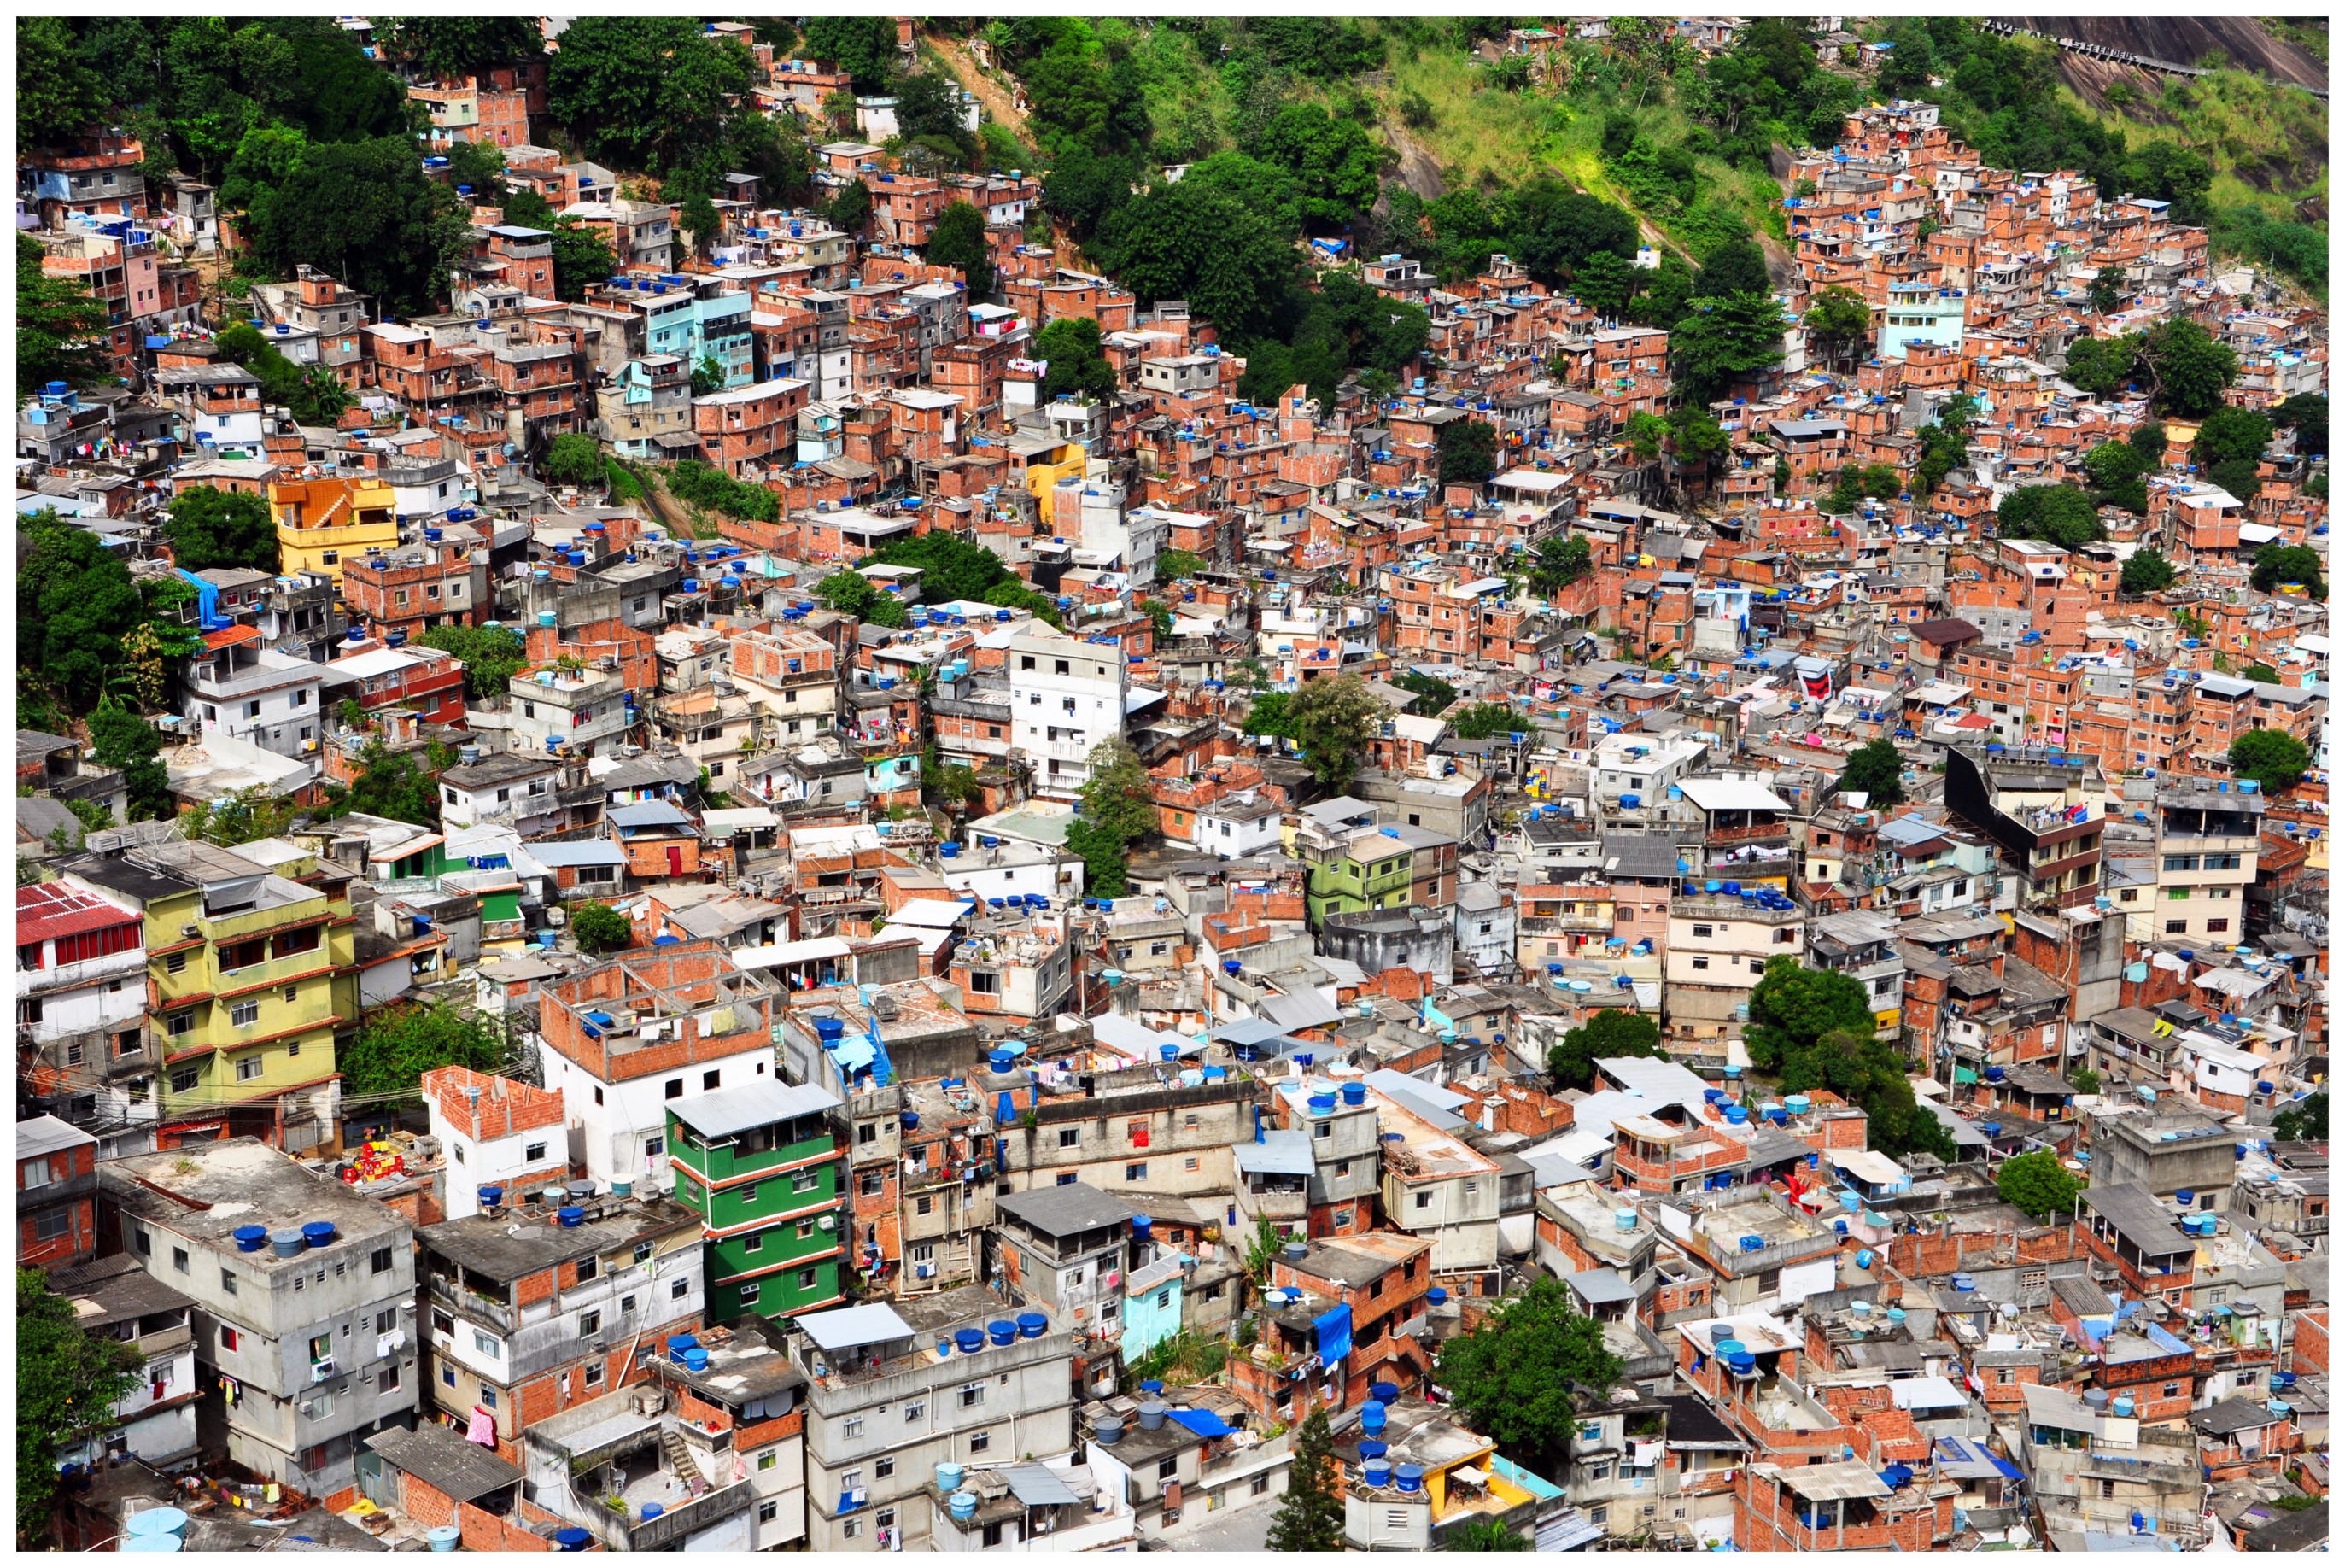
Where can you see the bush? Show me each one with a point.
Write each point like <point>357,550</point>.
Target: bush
<point>597,928</point>
<point>697,484</point>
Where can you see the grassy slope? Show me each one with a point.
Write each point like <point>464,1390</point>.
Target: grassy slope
<point>1480,134</point>
<point>2269,144</point>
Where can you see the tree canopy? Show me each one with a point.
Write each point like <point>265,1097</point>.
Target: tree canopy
<point>1332,720</point>
<point>2188,368</point>
<point>2306,1120</point>
<point>209,527</point>
<point>2278,565</point>
<point>2037,1184</point>
<point>2146,571</point>
<point>1723,341</point>
<point>492,655</point>
<point>1117,808</point>
<point>68,1381</point>
<point>1079,367</point>
<point>1310,1516</point>
<point>394,785</point>
<point>396,1045</point>
<point>2059,515</point>
<point>1470,451</point>
<point>61,326</point>
<point>1812,1029</point>
<point>1571,1063</point>
<point>1200,244</point>
<point>2274,759</point>
<point>959,241</point>
<point>446,47</point>
<point>1875,769</point>
<point>648,92</point>
<point>1517,1376</point>
<point>597,928</point>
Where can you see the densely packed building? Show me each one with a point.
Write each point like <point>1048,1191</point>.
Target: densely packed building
<point>869,1188</point>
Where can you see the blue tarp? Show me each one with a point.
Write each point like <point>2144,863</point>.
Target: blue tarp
<point>1334,1334</point>
<point>850,1055</point>
<point>1204,1423</point>
<point>2164,1340</point>
<point>2010,1470</point>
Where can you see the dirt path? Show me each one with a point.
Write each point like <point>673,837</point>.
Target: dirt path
<point>990,93</point>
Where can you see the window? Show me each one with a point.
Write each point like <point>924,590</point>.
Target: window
<point>971,1394</point>
<point>589,1323</point>
<point>925,1204</point>
<point>1260,1485</point>
<point>179,1258</point>
<point>709,1080</point>
<point>533,1152</point>
<point>1701,963</point>
<point>808,1278</point>
<point>2172,1391</point>
<point>380,1261</point>
<point>2178,928</point>
<point>387,1380</point>
<point>1598,1515</point>
<point>485,1343</point>
<point>229,1339</point>
<point>1166,1469</point>
<point>1323,1130</point>
<point>914,1412</point>
<point>673,1090</point>
<point>767,1510</point>
<point>1136,1172</point>
<point>588,1267</point>
<point>854,1429</point>
<point>2108,1489</point>
<point>800,1181</point>
<point>227,1282</point>
<point>678,1289</point>
<point>749,1292</point>
<point>250,1067</point>
<point>1069,1137</point>
<point>871,1183</point>
<point>1424,1200</point>
<point>980,1442</point>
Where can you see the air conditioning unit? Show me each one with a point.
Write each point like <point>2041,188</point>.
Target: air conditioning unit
<point>304,1407</point>
<point>191,930</point>
<point>321,1370</point>
<point>831,1222</point>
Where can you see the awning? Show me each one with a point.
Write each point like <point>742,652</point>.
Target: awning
<point>1204,1423</point>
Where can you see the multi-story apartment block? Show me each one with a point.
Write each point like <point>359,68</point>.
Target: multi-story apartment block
<point>324,521</point>
<point>2208,838</point>
<point>116,1300</point>
<point>56,1183</point>
<point>1066,696</point>
<point>304,1293</point>
<point>539,1305</point>
<point>626,1038</point>
<point>84,1047</point>
<point>760,1165</point>
<point>254,695</point>
<point>250,978</point>
<point>962,1377</point>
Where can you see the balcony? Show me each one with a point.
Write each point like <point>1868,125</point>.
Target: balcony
<point>471,1303</point>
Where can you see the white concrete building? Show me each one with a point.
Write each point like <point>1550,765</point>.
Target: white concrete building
<point>81,997</point>
<point>114,1299</point>
<point>1238,826</point>
<point>256,695</point>
<point>1066,696</point>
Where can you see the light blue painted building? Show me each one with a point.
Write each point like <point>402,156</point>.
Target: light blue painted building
<point>1151,1306</point>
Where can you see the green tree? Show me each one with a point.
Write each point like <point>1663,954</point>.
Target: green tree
<point>2262,672</point>
<point>646,91</point>
<point>1840,321</point>
<point>1517,1376</point>
<point>1085,188</point>
<point>2282,563</point>
<point>1484,720</point>
<point>708,376</point>
<point>1736,267</point>
<point>1333,162</point>
<point>853,594</point>
<point>2188,368</point>
<point>598,929</point>
<point>209,527</point>
<point>310,392</point>
<point>960,240</point>
<point>581,257</point>
<point>2229,446</point>
<point>952,566</point>
<point>1433,696</point>
<point>1116,810</point>
<point>362,211</point>
<point>1485,1535</point>
<point>2110,288</point>
<point>1870,1074</point>
<point>2084,1081</point>
<point>1605,283</point>
<point>2099,366</point>
<point>1177,566</point>
<point>1571,1063</point>
<point>1874,768</point>
<point>1792,1008</point>
<point>1552,230</point>
<point>248,814</point>
<point>2117,472</point>
<point>2037,1184</point>
<point>1333,719</point>
<point>1561,562</point>
<point>2148,438</point>
<point>2307,1121</point>
<point>1079,366</point>
<point>1310,1517</point>
<point>1468,448</point>
<point>446,47</point>
<point>397,1045</point>
<point>1722,342</point>
<point>68,1381</point>
<point>2059,515</point>
<point>1198,244</point>
<point>575,459</point>
<point>57,95</point>
<point>397,787</point>
<point>120,738</point>
<point>61,327</point>
<point>862,46</point>
<point>2146,572</point>
<point>2274,759</point>
<point>2307,413</point>
<point>492,657</point>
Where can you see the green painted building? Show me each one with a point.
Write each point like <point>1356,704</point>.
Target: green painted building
<point>761,1165</point>
<point>1357,868</point>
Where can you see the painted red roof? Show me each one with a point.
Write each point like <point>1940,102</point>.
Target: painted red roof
<point>51,909</point>
<point>229,636</point>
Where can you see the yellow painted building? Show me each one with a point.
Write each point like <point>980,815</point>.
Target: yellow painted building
<point>250,974</point>
<point>322,523</point>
